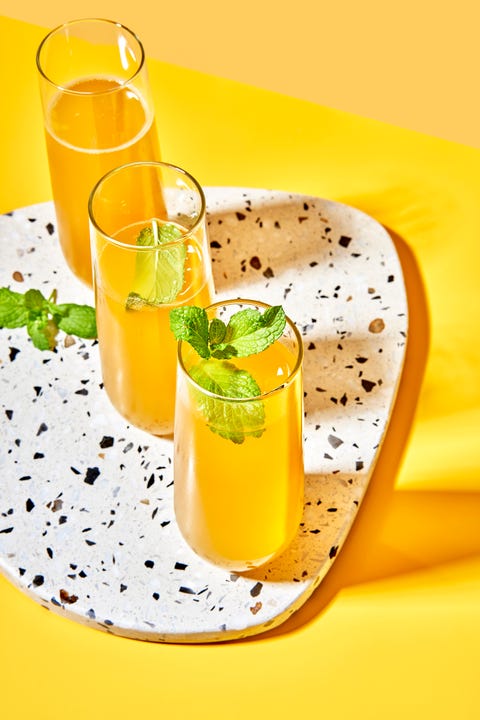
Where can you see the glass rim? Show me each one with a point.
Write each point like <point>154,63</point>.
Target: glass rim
<point>154,164</point>
<point>268,393</point>
<point>121,84</point>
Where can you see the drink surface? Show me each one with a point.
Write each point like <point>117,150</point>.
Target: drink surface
<point>137,349</point>
<point>239,505</point>
<point>94,127</point>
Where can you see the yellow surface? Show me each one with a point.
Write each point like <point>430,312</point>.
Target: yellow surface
<point>394,630</point>
<point>411,63</point>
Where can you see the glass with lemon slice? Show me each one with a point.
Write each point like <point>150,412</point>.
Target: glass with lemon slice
<point>149,254</point>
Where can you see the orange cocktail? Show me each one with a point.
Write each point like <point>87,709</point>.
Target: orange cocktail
<point>98,115</point>
<point>137,284</point>
<point>239,462</point>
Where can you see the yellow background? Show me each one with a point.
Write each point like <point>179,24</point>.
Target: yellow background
<point>412,63</point>
<point>394,630</point>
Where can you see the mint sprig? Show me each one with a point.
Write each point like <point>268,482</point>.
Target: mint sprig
<point>159,275</point>
<point>248,332</point>
<point>43,318</point>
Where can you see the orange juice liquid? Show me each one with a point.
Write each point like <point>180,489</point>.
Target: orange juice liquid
<point>137,348</point>
<point>87,135</point>
<point>239,505</point>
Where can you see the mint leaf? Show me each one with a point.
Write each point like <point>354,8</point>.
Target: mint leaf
<point>216,331</point>
<point>233,421</point>
<point>159,275</point>
<point>77,320</point>
<point>13,312</point>
<point>35,302</point>
<point>249,332</point>
<point>43,332</point>
<point>190,323</point>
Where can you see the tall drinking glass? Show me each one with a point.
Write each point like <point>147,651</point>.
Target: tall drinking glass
<point>98,114</point>
<point>238,462</point>
<point>150,253</point>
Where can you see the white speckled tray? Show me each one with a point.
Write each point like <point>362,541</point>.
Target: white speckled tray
<point>86,514</point>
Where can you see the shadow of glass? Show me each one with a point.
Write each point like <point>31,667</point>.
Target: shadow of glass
<point>252,244</point>
<point>363,537</point>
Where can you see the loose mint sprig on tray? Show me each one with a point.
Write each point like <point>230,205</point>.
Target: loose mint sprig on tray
<point>43,317</point>
<point>248,332</point>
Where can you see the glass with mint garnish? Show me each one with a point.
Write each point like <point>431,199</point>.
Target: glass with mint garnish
<point>150,254</point>
<point>238,446</point>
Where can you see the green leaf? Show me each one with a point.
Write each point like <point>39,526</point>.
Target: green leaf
<point>216,331</point>
<point>159,274</point>
<point>43,332</point>
<point>190,324</point>
<point>77,320</point>
<point>35,302</point>
<point>231,420</point>
<point>249,332</point>
<point>13,312</point>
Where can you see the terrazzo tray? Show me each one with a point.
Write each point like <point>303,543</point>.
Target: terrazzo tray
<point>86,501</point>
